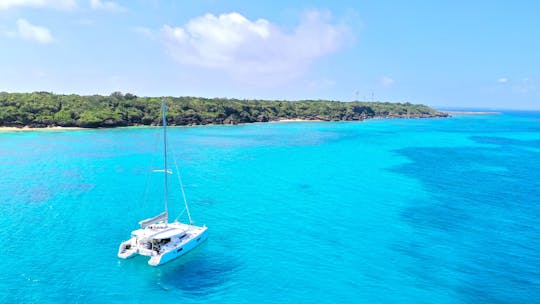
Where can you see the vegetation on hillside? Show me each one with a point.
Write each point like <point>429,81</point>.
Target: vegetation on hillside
<point>43,109</point>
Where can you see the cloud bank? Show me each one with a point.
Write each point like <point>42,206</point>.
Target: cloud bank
<point>57,4</point>
<point>254,50</point>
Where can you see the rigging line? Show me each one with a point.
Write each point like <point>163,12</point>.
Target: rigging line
<point>181,213</point>
<point>182,188</point>
<point>148,172</point>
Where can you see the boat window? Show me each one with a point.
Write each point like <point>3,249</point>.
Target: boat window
<point>179,250</point>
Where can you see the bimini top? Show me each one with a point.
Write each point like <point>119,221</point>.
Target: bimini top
<point>168,233</point>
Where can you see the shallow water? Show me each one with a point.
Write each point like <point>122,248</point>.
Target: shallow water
<point>381,211</point>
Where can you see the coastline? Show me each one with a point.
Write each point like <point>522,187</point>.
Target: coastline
<point>296,120</point>
<point>4,129</point>
<point>471,112</point>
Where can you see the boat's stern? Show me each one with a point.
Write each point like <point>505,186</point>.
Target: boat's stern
<point>127,249</point>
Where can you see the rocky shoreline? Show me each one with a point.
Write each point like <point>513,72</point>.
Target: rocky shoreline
<point>226,121</point>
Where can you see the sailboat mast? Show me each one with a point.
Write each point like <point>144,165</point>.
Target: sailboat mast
<point>166,171</point>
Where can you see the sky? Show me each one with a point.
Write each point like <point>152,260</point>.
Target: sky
<point>483,54</point>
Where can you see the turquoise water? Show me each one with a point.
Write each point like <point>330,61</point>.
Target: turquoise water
<point>381,211</point>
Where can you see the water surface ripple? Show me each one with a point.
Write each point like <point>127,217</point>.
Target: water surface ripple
<point>381,211</point>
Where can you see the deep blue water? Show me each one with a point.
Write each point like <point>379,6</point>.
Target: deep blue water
<point>381,211</point>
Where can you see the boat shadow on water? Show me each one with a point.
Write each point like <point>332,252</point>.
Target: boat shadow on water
<point>198,274</point>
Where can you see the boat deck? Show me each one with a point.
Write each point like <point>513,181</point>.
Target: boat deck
<point>178,233</point>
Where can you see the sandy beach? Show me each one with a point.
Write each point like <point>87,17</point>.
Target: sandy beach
<point>25,129</point>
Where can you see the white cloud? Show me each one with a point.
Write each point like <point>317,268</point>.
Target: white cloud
<point>387,81</point>
<point>106,5</point>
<point>254,50</point>
<point>57,4</point>
<point>30,32</point>
<point>502,80</point>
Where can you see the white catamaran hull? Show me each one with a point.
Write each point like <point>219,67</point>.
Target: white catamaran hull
<point>174,249</point>
<point>177,252</point>
<point>127,250</point>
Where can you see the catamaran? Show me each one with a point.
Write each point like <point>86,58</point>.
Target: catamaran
<point>157,238</point>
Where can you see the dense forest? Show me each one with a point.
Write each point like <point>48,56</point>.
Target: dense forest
<point>43,109</point>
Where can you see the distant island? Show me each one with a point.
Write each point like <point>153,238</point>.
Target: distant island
<point>44,109</point>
